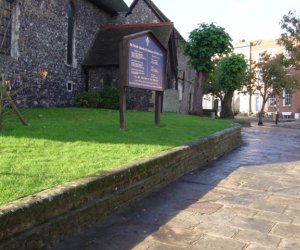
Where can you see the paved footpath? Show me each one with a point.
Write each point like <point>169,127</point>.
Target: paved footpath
<point>292,124</point>
<point>248,199</point>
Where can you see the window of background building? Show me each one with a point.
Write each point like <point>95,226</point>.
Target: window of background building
<point>272,101</point>
<point>5,25</point>
<point>287,98</point>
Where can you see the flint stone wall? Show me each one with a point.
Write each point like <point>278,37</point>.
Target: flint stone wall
<point>141,13</point>
<point>42,47</point>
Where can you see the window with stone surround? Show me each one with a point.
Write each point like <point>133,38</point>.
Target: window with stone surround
<point>5,25</point>
<point>70,86</point>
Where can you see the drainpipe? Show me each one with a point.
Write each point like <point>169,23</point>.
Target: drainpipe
<point>250,94</point>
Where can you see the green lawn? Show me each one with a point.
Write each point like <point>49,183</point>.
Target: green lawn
<point>63,144</point>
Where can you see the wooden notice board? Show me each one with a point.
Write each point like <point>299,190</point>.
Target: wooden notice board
<point>142,65</point>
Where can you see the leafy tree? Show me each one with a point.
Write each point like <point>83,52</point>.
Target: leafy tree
<point>273,78</point>
<point>290,39</point>
<point>205,43</point>
<point>228,76</point>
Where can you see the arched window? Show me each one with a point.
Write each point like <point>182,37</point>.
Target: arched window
<point>5,25</point>
<point>70,42</point>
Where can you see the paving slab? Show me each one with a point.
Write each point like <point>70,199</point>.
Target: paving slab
<point>246,200</point>
<point>276,217</point>
<point>258,225</point>
<point>218,243</point>
<point>288,231</point>
<point>253,246</point>
<point>176,236</point>
<point>289,245</point>
<point>259,239</point>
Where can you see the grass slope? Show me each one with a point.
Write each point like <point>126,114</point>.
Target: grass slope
<point>63,144</point>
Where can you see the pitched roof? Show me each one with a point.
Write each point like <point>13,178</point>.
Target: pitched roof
<point>111,6</point>
<point>105,48</point>
<point>152,6</point>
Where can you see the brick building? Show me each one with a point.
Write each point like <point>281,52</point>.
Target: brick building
<point>46,47</point>
<point>288,105</point>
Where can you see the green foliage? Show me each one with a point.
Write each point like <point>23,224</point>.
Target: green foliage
<point>107,98</point>
<point>110,98</point>
<point>88,99</point>
<point>204,43</point>
<point>229,74</point>
<point>290,39</point>
<point>63,144</point>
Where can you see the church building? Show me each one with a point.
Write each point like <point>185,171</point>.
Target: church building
<point>53,50</point>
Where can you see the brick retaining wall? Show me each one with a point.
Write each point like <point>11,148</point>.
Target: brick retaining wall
<point>46,218</point>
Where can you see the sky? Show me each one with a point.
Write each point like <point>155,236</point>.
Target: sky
<point>242,19</point>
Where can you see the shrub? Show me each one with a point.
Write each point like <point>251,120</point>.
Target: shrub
<point>107,98</point>
<point>110,98</point>
<point>88,99</point>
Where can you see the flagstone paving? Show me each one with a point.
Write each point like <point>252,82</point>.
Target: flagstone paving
<point>248,199</point>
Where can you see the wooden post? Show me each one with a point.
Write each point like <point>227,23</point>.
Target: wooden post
<point>14,107</point>
<point>123,64</point>
<point>123,108</point>
<point>4,94</point>
<point>157,108</point>
<point>1,107</point>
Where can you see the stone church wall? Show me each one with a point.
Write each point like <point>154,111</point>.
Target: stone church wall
<point>41,67</point>
<point>141,13</point>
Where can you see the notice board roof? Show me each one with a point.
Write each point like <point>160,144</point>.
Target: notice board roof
<point>105,48</point>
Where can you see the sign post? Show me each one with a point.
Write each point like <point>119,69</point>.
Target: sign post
<point>123,108</point>
<point>158,97</point>
<point>142,65</point>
